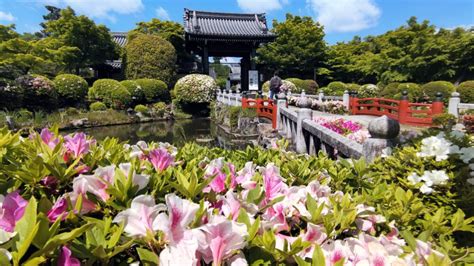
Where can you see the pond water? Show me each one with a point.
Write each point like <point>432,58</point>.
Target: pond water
<point>175,132</point>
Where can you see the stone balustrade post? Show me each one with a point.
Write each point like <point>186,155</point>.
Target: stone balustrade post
<point>383,133</point>
<point>345,99</point>
<point>280,104</point>
<point>321,96</point>
<point>303,114</point>
<point>454,101</point>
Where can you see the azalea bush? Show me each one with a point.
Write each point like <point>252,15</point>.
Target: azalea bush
<point>195,88</point>
<point>347,128</point>
<point>332,107</point>
<point>72,200</point>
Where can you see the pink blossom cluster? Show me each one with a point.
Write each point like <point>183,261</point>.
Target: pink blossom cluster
<point>347,128</point>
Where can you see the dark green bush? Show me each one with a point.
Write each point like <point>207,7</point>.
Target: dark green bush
<point>390,90</point>
<point>111,92</point>
<point>466,89</point>
<point>150,56</point>
<point>11,96</point>
<point>352,87</point>
<point>71,88</point>
<point>138,96</point>
<point>153,90</point>
<point>311,86</point>
<point>414,91</point>
<point>141,109</point>
<point>299,83</point>
<point>445,87</point>
<point>336,88</point>
<point>97,106</point>
<point>39,92</point>
<point>72,111</point>
<point>221,82</point>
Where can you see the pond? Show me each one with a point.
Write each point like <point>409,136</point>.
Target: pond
<point>176,132</point>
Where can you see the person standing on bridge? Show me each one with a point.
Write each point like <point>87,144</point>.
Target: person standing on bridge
<point>275,84</point>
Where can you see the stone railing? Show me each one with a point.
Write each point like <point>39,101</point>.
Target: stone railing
<point>310,137</point>
<point>455,105</point>
<point>322,98</point>
<point>229,98</point>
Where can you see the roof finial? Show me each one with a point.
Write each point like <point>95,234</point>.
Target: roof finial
<point>197,28</point>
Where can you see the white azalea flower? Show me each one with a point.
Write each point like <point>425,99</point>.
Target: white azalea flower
<point>467,154</point>
<point>426,189</point>
<point>435,177</point>
<point>414,179</point>
<point>435,146</point>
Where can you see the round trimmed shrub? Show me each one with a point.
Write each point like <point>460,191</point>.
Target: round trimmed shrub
<point>414,91</point>
<point>160,108</point>
<point>311,86</point>
<point>138,96</point>
<point>288,86</point>
<point>97,106</point>
<point>150,56</point>
<point>153,90</point>
<point>195,88</point>
<point>266,86</point>
<point>368,91</point>
<point>221,82</point>
<point>71,88</point>
<point>352,87</point>
<point>141,109</point>
<point>466,91</point>
<point>299,85</point>
<point>390,90</point>
<point>431,88</point>
<point>39,92</point>
<point>336,88</point>
<point>111,92</point>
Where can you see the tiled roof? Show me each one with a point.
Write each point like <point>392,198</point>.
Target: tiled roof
<point>114,63</point>
<point>120,38</point>
<point>225,26</point>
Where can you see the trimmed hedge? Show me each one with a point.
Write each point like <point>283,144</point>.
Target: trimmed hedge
<point>414,91</point>
<point>390,90</point>
<point>368,91</point>
<point>154,90</point>
<point>150,56</point>
<point>466,89</point>
<point>138,96</point>
<point>141,109</point>
<point>39,92</point>
<point>336,88</point>
<point>308,85</point>
<point>111,92</point>
<point>431,88</point>
<point>71,88</point>
<point>97,106</point>
<point>195,88</point>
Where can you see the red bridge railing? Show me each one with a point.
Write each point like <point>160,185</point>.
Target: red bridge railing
<point>265,108</point>
<point>416,114</point>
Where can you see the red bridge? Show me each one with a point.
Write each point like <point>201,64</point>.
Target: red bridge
<point>265,108</point>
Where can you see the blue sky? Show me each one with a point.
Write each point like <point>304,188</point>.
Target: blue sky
<point>342,18</point>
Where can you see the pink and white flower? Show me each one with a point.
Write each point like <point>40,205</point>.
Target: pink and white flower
<point>12,209</point>
<point>66,258</point>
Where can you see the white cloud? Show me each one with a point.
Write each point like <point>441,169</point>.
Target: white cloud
<point>345,15</point>
<point>162,14</point>
<point>259,6</point>
<point>6,16</point>
<point>101,8</point>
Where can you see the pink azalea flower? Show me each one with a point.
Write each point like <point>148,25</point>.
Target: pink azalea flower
<point>244,176</point>
<point>214,169</point>
<point>66,258</point>
<point>424,250</point>
<point>231,205</point>
<point>141,218</point>
<point>90,183</point>
<point>12,208</point>
<point>78,144</point>
<point>59,209</point>
<point>49,138</point>
<point>272,182</point>
<point>180,214</point>
<point>220,239</point>
<point>183,253</point>
<point>335,251</point>
<point>367,219</point>
<point>82,168</point>
<point>161,159</point>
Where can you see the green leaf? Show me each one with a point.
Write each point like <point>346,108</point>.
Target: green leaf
<point>253,230</point>
<point>35,261</point>
<point>26,229</point>
<point>318,256</point>
<point>147,257</point>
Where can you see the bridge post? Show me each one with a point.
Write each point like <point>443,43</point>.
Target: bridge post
<point>403,108</point>
<point>354,103</point>
<point>383,132</point>
<point>321,96</point>
<point>280,104</point>
<point>437,105</point>
<point>303,114</point>
<point>345,99</point>
<point>454,101</point>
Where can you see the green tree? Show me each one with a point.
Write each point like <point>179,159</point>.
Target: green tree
<point>298,51</point>
<point>7,32</point>
<point>93,41</point>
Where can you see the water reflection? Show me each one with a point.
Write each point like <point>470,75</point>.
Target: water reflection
<point>176,132</point>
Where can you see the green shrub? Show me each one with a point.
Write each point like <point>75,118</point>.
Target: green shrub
<point>141,109</point>
<point>39,92</point>
<point>266,86</point>
<point>390,90</point>
<point>368,91</point>
<point>150,56</point>
<point>195,88</point>
<point>299,85</point>
<point>414,91</point>
<point>11,96</point>
<point>71,111</point>
<point>431,88</point>
<point>160,108</point>
<point>153,90</point>
<point>311,86</point>
<point>336,88</point>
<point>97,106</point>
<point>71,88</point>
<point>111,92</point>
<point>466,89</point>
<point>352,87</point>
<point>221,82</point>
<point>138,96</point>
